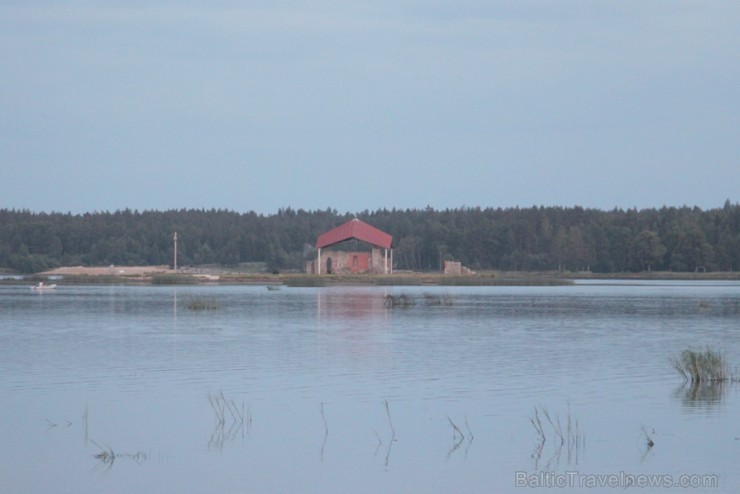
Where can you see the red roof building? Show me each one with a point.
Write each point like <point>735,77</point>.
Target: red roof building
<point>353,262</point>
<point>357,230</point>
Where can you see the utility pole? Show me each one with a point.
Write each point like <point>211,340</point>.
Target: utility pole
<point>175,238</point>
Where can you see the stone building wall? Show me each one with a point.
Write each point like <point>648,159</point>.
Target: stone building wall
<point>350,262</point>
<point>456,267</point>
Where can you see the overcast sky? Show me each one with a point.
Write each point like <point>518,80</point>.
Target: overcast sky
<point>257,105</point>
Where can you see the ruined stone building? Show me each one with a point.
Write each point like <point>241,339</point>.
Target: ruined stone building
<point>379,260</point>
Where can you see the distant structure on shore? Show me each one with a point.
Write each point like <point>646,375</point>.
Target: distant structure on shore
<point>379,260</point>
<point>456,268</point>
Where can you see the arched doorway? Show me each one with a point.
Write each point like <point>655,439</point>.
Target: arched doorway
<point>328,265</point>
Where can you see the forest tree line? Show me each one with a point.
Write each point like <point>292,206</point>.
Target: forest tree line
<point>521,239</point>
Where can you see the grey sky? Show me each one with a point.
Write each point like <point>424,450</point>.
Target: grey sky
<point>363,105</point>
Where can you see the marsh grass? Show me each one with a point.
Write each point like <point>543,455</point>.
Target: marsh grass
<point>220,405</point>
<point>395,280</point>
<point>229,420</point>
<point>708,366</point>
<point>393,433</point>
<point>459,437</point>
<point>420,279</point>
<point>326,432</point>
<point>648,438</point>
<point>429,299</point>
<point>483,280</point>
<point>202,304</point>
<point>107,456</point>
<point>402,300</point>
<point>101,279</point>
<point>174,279</point>
<point>566,435</point>
<point>304,281</point>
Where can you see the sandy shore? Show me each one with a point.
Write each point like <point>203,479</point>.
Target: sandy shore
<point>108,271</point>
<point>225,275</point>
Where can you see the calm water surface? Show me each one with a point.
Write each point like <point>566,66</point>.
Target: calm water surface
<point>123,389</point>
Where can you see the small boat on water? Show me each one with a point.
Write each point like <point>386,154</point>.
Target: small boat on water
<point>41,287</point>
<point>273,288</point>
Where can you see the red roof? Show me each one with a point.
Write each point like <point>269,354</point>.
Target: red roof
<point>355,229</point>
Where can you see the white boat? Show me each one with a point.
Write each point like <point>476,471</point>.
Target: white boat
<point>42,287</point>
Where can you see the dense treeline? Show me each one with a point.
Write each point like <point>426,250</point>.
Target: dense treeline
<point>525,239</point>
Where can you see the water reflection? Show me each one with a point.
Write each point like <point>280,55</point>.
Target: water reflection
<point>318,360</point>
<point>229,420</point>
<point>393,434</point>
<point>459,438</point>
<point>566,437</point>
<point>350,304</point>
<point>702,395</point>
<point>326,432</point>
<point>107,457</point>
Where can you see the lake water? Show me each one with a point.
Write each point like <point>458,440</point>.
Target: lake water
<point>122,389</point>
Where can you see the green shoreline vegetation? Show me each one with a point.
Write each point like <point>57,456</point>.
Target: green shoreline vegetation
<point>564,240</point>
<point>236,277</point>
